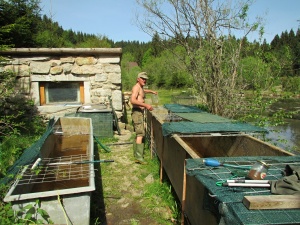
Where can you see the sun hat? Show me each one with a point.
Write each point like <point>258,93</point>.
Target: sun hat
<point>142,75</point>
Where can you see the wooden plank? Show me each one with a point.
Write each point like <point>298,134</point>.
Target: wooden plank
<point>42,94</point>
<point>186,147</point>
<point>272,202</point>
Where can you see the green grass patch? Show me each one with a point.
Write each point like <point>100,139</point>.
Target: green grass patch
<point>159,193</point>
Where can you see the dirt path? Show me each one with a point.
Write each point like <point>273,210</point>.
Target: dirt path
<point>119,199</point>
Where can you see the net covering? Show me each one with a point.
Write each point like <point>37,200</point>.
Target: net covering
<point>197,121</point>
<point>227,201</point>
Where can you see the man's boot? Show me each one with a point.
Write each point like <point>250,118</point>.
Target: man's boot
<point>134,149</point>
<point>139,157</point>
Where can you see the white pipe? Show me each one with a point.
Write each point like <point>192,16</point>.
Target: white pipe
<point>36,163</point>
<point>245,185</point>
<point>248,181</point>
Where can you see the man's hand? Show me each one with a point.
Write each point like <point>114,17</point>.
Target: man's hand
<point>149,107</point>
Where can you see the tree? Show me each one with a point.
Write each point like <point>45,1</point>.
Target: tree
<point>18,22</point>
<point>129,72</point>
<point>205,29</point>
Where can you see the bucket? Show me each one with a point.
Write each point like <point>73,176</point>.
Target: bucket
<point>154,99</point>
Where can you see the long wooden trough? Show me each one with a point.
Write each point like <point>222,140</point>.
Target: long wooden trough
<point>58,176</point>
<point>173,149</point>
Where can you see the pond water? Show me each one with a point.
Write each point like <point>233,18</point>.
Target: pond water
<point>286,136</point>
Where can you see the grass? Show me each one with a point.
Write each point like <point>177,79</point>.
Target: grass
<point>137,185</point>
<point>169,96</point>
<point>165,96</point>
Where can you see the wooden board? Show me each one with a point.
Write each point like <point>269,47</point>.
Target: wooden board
<point>272,202</point>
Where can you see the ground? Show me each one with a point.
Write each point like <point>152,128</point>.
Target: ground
<point>119,198</point>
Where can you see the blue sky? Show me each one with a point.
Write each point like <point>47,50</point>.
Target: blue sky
<point>115,18</point>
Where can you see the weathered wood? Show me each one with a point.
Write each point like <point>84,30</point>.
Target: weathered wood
<point>62,51</point>
<point>272,202</point>
<point>185,146</point>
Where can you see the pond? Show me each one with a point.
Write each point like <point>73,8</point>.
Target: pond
<point>287,136</point>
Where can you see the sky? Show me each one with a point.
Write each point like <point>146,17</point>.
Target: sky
<point>115,18</point>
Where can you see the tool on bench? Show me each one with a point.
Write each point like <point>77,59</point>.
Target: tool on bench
<point>216,163</point>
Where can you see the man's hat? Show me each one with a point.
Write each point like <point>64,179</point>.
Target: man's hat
<point>142,75</point>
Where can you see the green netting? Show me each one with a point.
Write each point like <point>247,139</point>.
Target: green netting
<point>203,122</point>
<point>194,128</point>
<point>176,108</point>
<point>102,122</point>
<point>229,199</point>
<point>203,117</point>
<point>29,155</point>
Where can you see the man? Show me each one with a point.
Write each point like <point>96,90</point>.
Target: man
<point>138,106</point>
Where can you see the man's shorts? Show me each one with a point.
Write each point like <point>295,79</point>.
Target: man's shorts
<point>137,116</point>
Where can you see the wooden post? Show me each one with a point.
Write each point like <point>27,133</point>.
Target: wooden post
<point>183,194</point>
<point>161,161</point>
<point>151,140</point>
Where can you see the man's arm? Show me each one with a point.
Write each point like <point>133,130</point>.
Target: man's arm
<point>150,91</point>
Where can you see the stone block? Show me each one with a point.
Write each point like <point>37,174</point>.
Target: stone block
<point>86,70</point>
<point>67,59</point>
<point>40,67</point>
<point>67,67</point>
<point>19,70</point>
<point>80,61</point>
<point>101,77</point>
<point>23,85</point>
<point>117,100</point>
<point>55,62</point>
<point>110,68</point>
<point>102,92</point>
<point>56,70</point>
<point>112,60</point>
<point>115,78</point>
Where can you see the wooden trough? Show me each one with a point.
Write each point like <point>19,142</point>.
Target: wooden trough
<point>174,149</point>
<point>62,186</point>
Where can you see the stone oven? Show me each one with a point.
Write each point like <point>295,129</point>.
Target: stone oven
<point>60,80</point>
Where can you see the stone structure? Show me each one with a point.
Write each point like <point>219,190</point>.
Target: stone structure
<point>96,69</point>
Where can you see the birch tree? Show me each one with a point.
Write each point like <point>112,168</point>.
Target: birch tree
<point>206,29</point>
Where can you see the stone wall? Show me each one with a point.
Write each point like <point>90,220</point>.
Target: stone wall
<point>98,68</point>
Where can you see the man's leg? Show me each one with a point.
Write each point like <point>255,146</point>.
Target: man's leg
<point>138,146</point>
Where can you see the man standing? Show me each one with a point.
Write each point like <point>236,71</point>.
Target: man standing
<point>138,106</point>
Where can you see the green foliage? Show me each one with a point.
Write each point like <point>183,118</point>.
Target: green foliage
<point>166,71</point>
<point>291,84</point>
<point>162,192</point>
<point>29,214</point>
<point>128,72</point>
<point>157,190</point>
<point>95,42</point>
<point>11,148</point>
<point>7,215</point>
<point>20,122</point>
<point>256,73</point>
<point>18,23</point>
<point>256,109</point>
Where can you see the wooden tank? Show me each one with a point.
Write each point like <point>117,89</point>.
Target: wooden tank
<point>174,149</point>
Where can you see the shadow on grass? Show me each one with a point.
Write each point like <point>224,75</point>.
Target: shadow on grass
<point>98,215</point>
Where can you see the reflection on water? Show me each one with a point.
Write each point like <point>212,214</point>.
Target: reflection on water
<point>286,136</point>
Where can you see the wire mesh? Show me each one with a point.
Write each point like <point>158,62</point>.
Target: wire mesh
<point>55,169</point>
<point>229,199</point>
